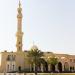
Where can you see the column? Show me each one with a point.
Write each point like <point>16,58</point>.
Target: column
<point>42,67</point>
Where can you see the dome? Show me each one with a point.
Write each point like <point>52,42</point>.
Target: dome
<point>34,47</point>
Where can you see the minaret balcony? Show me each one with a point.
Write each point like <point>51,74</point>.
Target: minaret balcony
<point>19,45</point>
<point>19,34</point>
<point>19,15</point>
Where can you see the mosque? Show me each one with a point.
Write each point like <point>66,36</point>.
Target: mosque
<point>12,61</point>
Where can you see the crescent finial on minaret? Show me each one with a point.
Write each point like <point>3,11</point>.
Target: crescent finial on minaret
<point>19,3</point>
<point>19,8</point>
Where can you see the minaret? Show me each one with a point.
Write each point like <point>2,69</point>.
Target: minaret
<point>19,33</point>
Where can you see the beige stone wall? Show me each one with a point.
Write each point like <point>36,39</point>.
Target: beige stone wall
<point>21,59</point>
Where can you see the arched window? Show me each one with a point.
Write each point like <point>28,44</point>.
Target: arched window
<point>66,66</point>
<point>8,67</point>
<point>60,66</point>
<point>13,67</point>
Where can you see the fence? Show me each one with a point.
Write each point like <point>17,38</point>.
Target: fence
<point>38,74</point>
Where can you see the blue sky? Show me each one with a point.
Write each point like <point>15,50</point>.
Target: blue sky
<point>49,23</point>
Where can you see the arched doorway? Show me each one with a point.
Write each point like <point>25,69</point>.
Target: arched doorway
<point>66,66</point>
<point>52,67</point>
<point>45,68</point>
<point>71,68</point>
<point>39,67</point>
<point>19,68</point>
<point>32,67</point>
<point>59,66</point>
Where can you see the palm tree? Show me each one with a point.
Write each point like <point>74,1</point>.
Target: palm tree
<point>53,61</point>
<point>35,55</point>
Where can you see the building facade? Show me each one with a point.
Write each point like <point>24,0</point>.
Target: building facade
<point>15,61</point>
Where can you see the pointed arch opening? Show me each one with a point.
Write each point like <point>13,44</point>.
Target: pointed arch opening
<point>59,66</point>
<point>66,66</point>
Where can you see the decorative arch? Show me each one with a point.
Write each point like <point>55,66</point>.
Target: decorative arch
<point>19,68</point>
<point>52,67</point>
<point>39,67</point>
<point>45,67</point>
<point>66,66</point>
<point>59,66</point>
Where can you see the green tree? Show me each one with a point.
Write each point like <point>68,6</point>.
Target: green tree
<point>35,56</point>
<point>53,61</point>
